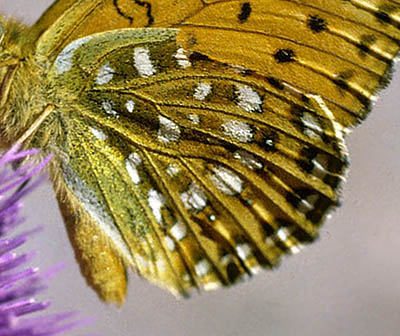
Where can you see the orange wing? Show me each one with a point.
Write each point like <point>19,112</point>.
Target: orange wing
<point>341,51</point>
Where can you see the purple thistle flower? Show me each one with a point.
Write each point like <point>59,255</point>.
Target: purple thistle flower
<point>19,286</point>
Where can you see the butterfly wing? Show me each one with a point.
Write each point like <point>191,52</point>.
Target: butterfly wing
<point>339,50</point>
<point>192,171</point>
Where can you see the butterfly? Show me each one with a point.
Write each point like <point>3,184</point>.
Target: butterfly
<point>196,142</point>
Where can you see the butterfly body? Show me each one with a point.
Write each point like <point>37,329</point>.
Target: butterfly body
<point>195,142</point>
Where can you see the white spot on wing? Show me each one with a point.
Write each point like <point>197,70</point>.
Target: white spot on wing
<point>168,131</point>
<point>105,74</point>
<point>227,181</point>
<point>172,169</point>
<point>202,91</point>
<point>108,107</point>
<point>238,69</point>
<point>170,243</point>
<point>248,99</point>
<point>156,202</point>
<point>130,105</point>
<point>312,127</point>
<point>98,133</point>
<point>131,164</point>
<point>320,164</point>
<point>238,130</point>
<point>161,265</point>
<point>141,262</point>
<point>243,251</point>
<point>226,259</point>
<point>143,63</point>
<point>211,285</point>
<point>247,159</point>
<point>296,248</point>
<point>194,118</point>
<point>63,61</point>
<point>194,198</point>
<point>178,231</point>
<point>307,204</point>
<point>202,268</point>
<point>182,59</point>
<point>282,234</point>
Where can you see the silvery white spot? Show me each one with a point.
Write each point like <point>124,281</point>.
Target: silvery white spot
<point>202,267</point>
<point>143,63</point>
<point>97,209</point>
<point>243,251</point>
<point>238,69</point>
<point>131,164</point>
<point>212,218</point>
<point>168,131</point>
<point>227,181</point>
<point>248,99</point>
<point>194,118</point>
<point>247,159</point>
<point>255,269</point>
<point>269,142</point>
<point>318,170</point>
<point>282,234</point>
<point>238,130</point>
<point>194,198</point>
<point>105,74</point>
<point>304,206</point>
<point>63,61</point>
<point>108,107</point>
<point>312,127</point>
<point>211,285</point>
<point>226,259</point>
<point>161,265</point>
<point>340,131</point>
<point>186,277</point>
<point>172,169</point>
<point>320,164</point>
<point>170,243</point>
<point>269,241</point>
<point>182,59</point>
<point>156,202</point>
<point>141,262</point>
<point>307,204</point>
<point>98,133</point>
<point>202,91</point>
<point>296,248</point>
<point>130,105</point>
<point>178,231</point>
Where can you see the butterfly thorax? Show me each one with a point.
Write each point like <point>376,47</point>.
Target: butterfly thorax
<point>23,88</point>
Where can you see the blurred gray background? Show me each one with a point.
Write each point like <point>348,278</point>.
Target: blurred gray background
<point>347,283</point>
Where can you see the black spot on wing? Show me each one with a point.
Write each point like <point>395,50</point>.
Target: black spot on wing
<point>245,12</point>
<point>276,83</point>
<point>366,41</point>
<point>383,17</point>
<point>316,23</point>
<point>284,55</point>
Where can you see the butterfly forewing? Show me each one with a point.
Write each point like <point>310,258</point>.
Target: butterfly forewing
<point>339,50</point>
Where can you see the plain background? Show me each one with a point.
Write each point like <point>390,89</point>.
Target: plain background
<point>347,283</point>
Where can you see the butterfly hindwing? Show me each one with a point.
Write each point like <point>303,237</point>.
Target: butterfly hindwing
<point>195,172</point>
